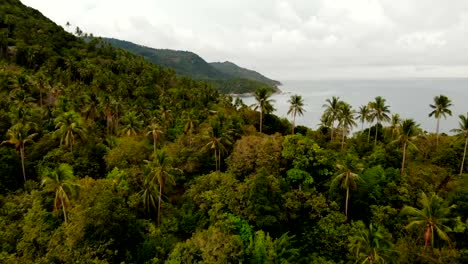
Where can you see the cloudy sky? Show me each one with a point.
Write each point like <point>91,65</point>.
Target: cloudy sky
<point>289,39</point>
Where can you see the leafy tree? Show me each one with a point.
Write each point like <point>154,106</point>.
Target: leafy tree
<point>218,141</point>
<point>441,109</point>
<point>463,130</point>
<point>371,245</point>
<point>19,135</point>
<point>433,216</point>
<point>264,103</point>
<point>379,112</point>
<point>296,108</point>
<point>69,125</point>
<point>62,182</point>
<point>347,177</point>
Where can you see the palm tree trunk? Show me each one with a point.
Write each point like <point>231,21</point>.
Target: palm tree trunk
<point>437,133</point>
<point>294,122</point>
<point>216,159</point>
<point>63,208</point>
<point>159,203</point>
<point>346,206</point>
<point>342,138</point>
<point>368,134</point>
<point>464,155</point>
<point>22,162</point>
<point>404,157</point>
<point>261,120</point>
<point>154,142</point>
<point>376,131</point>
<point>362,126</point>
<point>219,160</point>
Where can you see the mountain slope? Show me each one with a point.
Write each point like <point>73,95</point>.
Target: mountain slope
<point>232,69</point>
<point>226,77</point>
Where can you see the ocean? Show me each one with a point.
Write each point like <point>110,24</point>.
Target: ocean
<point>408,97</point>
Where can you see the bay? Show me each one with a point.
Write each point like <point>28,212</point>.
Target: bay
<point>408,97</point>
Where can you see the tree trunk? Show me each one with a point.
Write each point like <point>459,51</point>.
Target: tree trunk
<point>219,160</point>
<point>346,206</point>
<point>294,123</point>
<point>437,133</point>
<point>368,134</point>
<point>464,155</point>
<point>154,142</point>
<point>159,203</point>
<point>342,138</point>
<point>216,159</point>
<point>63,208</point>
<point>22,162</point>
<point>376,132</point>
<point>261,120</point>
<point>404,157</point>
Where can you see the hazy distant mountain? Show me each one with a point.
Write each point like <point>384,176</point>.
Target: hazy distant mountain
<point>232,69</point>
<point>226,76</point>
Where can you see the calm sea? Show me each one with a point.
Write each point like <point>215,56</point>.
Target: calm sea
<point>408,97</point>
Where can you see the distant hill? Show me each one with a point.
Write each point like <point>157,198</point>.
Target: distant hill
<point>226,77</point>
<point>232,69</point>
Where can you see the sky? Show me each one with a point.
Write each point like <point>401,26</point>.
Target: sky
<point>289,40</point>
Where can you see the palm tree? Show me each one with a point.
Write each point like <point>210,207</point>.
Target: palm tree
<point>189,127</point>
<point>218,141</point>
<point>395,124</point>
<point>363,115</point>
<point>155,130</point>
<point>69,125</point>
<point>346,120</point>
<point>371,245</point>
<point>162,171</point>
<point>347,176</point>
<point>409,130</point>
<point>264,103</point>
<point>131,124</point>
<point>61,181</point>
<point>19,135</point>
<point>296,107</point>
<point>379,113</point>
<point>332,107</point>
<point>433,216</point>
<point>441,109</point>
<point>149,191</point>
<point>463,130</point>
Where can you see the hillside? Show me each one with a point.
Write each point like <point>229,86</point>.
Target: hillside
<point>226,77</point>
<point>232,69</point>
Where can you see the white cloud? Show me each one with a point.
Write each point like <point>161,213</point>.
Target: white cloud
<point>290,38</point>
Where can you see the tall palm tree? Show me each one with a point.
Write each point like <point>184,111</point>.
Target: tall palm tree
<point>346,176</point>
<point>379,112</point>
<point>296,107</point>
<point>432,217</point>
<point>155,130</point>
<point>332,107</point>
<point>162,172</point>
<point>62,182</point>
<point>371,245</point>
<point>19,135</point>
<point>441,109</point>
<point>263,104</point>
<point>463,130</point>
<point>69,125</point>
<point>363,115</point>
<point>346,120</point>
<point>149,192</point>
<point>409,130</point>
<point>218,141</point>
<point>190,123</point>
<point>395,124</point>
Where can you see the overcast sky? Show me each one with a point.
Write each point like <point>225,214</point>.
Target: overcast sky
<point>295,39</point>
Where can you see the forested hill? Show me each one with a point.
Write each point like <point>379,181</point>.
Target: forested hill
<point>226,77</point>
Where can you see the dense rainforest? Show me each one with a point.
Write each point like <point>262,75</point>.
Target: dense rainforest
<point>226,77</point>
<point>107,158</point>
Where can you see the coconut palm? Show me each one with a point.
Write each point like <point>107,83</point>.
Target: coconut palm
<point>441,109</point>
<point>131,124</point>
<point>379,113</point>
<point>395,124</point>
<point>155,130</point>
<point>371,245</point>
<point>218,141</point>
<point>332,107</point>
<point>69,125</point>
<point>431,218</point>
<point>263,104</point>
<point>346,176</point>
<point>19,135</point>
<point>346,120</point>
<point>408,131</point>
<point>61,181</point>
<point>190,123</point>
<point>162,172</point>
<point>296,107</point>
<point>463,130</point>
<point>363,115</point>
